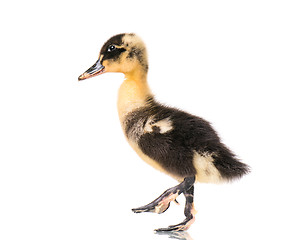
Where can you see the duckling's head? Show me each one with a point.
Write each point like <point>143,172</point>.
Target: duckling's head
<point>124,53</point>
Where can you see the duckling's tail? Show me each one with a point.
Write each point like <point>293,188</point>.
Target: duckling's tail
<point>228,165</point>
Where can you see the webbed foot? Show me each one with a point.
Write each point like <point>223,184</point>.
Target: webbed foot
<point>183,226</point>
<point>161,204</point>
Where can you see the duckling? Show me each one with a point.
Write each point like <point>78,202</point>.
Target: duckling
<point>182,145</point>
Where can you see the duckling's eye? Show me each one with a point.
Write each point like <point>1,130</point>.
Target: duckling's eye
<point>111,48</point>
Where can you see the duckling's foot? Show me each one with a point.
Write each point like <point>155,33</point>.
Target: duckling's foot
<point>183,226</point>
<point>161,204</point>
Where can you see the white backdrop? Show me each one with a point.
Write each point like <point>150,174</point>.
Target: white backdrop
<point>66,171</point>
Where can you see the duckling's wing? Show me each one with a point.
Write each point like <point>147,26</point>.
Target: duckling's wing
<point>172,138</point>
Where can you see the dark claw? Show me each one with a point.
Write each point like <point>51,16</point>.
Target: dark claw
<point>143,209</point>
<point>139,210</point>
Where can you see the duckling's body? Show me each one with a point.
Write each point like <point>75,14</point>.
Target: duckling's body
<point>180,144</point>
<point>175,142</point>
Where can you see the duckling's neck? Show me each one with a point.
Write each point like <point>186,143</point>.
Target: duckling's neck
<point>133,93</point>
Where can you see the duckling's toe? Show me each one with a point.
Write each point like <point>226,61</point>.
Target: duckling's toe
<point>160,205</point>
<point>152,207</point>
<point>183,226</point>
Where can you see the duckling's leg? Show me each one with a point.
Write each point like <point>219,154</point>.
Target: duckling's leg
<point>162,203</point>
<point>189,213</point>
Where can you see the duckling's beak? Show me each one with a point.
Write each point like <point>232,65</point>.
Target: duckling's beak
<point>93,71</point>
